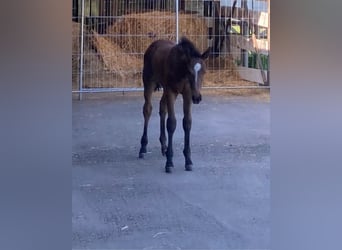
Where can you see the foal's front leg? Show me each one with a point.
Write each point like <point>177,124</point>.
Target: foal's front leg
<point>187,120</point>
<point>171,127</point>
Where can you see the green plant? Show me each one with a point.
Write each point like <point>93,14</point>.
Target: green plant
<point>252,60</point>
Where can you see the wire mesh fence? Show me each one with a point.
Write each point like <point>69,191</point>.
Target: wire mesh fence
<point>111,36</point>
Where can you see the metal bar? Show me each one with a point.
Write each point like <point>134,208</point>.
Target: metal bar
<point>81,51</point>
<point>238,87</point>
<point>245,30</point>
<point>177,21</point>
<point>103,90</point>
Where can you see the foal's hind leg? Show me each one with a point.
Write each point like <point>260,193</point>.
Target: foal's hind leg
<point>162,114</point>
<point>147,110</point>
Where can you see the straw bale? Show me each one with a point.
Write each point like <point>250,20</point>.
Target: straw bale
<point>135,32</point>
<point>222,77</point>
<point>114,58</point>
<point>76,32</point>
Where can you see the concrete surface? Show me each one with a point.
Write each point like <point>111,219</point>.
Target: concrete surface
<point>122,202</point>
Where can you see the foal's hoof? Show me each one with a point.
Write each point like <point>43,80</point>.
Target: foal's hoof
<point>142,153</point>
<point>168,167</point>
<point>188,167</point>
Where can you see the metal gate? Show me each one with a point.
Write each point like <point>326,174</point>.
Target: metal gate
<point>110,37</point>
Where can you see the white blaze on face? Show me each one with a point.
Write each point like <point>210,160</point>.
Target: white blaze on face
<point>197,68</point>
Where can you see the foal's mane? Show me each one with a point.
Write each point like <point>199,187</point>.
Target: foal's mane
<point>188,47</point>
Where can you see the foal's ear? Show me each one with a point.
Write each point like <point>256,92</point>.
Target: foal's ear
<point>206,53</point>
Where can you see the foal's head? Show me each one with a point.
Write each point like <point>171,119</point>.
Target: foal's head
<point>194,66</point>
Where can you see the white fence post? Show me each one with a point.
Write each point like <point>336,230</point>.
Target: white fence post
<point>177,21</point>
<point>81,52</point>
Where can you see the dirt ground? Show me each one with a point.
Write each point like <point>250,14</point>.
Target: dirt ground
<point>122,202</point>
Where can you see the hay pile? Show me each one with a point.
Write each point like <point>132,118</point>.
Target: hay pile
<point>114,58</point>
<point>221,77</point>
<point>135,32</point>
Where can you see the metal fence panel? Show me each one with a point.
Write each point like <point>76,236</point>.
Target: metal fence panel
<point>110,37</point>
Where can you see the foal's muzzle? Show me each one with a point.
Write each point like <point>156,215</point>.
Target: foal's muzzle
<point>197,99</point>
